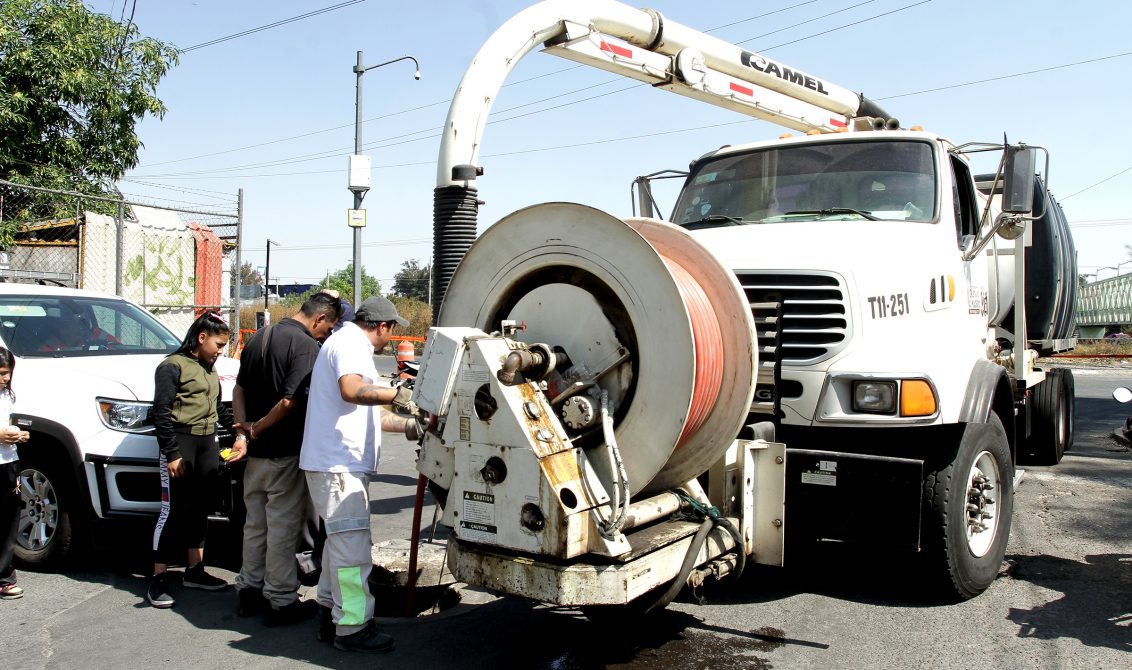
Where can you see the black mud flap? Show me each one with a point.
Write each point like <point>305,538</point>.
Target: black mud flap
<point>854,497</point>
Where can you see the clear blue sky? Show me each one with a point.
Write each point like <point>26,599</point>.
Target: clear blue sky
<point>250,112</point>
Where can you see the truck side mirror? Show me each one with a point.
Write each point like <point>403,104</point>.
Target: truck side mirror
<point>1018,180</point>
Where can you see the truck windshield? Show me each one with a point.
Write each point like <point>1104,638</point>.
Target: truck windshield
<point>837,181</point>
<point>62,327</point>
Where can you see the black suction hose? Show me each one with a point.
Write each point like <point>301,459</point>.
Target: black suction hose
<point>454,212</point>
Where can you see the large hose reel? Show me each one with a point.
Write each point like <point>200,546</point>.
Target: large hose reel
<point>637,304</point>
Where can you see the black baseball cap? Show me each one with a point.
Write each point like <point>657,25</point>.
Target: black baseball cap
<point>376,308</point>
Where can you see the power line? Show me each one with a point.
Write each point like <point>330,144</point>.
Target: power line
<point>504,154</point>
<point>447,101</point>
<point>1098,183</point>
<point>377,145</point>
<point>960,85</point>
<point>388,141</point>
<point>268,26</point>
<point>335,153</point>
<point>203,192</point>
<point>1008,76</point>
<point>802,23</point>
<point>761,16</point>
<point>320,247</point>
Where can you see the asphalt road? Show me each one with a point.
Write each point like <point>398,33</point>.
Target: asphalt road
<point>1064,600</point>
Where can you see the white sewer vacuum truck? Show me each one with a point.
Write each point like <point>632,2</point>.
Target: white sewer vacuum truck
<point>829,339</point>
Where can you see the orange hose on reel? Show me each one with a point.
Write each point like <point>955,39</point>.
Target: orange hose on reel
<point>709,349</point>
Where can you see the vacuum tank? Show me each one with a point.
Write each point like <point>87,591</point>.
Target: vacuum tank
<point>1051,273</point>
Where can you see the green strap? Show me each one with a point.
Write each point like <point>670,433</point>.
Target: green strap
<point>353,596</point>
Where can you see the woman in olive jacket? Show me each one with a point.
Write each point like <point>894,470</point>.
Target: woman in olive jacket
<point>186,410</point>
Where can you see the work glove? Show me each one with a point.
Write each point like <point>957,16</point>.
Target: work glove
<point>415,430</point>
<point>403,401</point>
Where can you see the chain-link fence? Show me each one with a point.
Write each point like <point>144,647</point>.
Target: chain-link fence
<point>173,261</point>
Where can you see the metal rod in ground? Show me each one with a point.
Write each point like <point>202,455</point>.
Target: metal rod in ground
<point>415,544</point>
<point>432,529</point>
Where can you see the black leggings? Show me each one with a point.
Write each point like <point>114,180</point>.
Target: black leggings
<point>10,506</point>
<point>186,501</point>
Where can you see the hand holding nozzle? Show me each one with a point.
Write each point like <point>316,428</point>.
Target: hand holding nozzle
<point>403,402</point>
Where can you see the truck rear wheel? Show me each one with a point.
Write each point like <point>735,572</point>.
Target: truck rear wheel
<point>1071,403</point>
<point>968,505</point>
<point>1051,427</point>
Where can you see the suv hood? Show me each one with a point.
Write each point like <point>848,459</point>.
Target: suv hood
<point>124,377</point>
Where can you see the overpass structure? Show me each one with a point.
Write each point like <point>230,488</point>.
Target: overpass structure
<point>1104,304</point>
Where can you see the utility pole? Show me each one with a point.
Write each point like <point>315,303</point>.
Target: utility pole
<point>267,274</point>
<point>360,170</point>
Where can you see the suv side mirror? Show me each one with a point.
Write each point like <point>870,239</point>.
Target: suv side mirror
<point>1018,180</point>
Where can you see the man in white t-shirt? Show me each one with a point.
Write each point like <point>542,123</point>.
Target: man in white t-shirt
<point>341,449</point>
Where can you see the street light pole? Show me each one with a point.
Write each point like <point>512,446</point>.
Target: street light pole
<point>360,191</point>
<point>267,274</point>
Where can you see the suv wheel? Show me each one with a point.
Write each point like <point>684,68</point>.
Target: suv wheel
<point>46,533</point>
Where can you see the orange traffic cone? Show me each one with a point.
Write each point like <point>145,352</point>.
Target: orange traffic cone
<point>405,353</point>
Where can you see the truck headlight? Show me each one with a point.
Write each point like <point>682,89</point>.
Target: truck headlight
<point>874,397</point>
<point>126,416</point>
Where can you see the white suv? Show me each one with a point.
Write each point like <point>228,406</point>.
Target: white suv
<point>83,381</point>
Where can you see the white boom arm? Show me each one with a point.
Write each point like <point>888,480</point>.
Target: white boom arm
<point>643,45</point>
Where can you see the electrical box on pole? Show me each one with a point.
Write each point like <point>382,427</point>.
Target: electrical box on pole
<point>360,169</point>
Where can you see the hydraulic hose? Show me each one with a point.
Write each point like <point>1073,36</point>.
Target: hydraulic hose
<point>712,518</point>
<point>609,529</point>
<point>685,568</point>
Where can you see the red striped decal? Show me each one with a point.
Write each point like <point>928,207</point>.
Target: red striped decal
<point>838,124</point>
<point>742,89</point>
<point>616,50</point>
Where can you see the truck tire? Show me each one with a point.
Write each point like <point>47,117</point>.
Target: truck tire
<point>1071,402</point>
<point>1051,420</point>
<point>46,535</point>
<point>968,504</point>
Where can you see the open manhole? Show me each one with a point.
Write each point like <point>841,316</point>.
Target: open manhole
<point>392,599</point>
<point>436,589</point>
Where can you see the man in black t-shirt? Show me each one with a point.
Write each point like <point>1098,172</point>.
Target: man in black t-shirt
<point>269,406</point>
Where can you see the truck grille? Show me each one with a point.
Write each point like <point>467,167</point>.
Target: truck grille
<point>815,321</point>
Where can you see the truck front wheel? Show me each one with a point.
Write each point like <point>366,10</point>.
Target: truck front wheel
<point>46,533</point>
<point>968,504</point>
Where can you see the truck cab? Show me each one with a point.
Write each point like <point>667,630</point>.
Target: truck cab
<point>861,237</point>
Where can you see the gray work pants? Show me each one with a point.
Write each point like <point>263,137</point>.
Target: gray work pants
<point>342,501</point>
<point>275,495</point>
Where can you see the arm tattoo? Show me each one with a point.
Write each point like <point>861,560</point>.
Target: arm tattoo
<point>367,394</point>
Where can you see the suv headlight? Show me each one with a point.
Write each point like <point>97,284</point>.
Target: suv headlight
<point>126,416</point>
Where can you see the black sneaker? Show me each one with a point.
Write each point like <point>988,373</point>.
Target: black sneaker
<point>158,592</point>
<point>251,602</point>
<point>300,610</point>
<point>368,640</point>
<point>197,578</point>
<point>326,629</point>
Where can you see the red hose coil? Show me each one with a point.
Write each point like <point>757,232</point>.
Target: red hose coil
<point>709,349</point>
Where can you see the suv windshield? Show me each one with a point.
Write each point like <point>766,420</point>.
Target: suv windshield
<point>65,326</point>
<point>852,181</point>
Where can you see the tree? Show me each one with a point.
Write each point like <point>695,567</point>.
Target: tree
<point>343,282</point>
<point>73,86</point>
<point>249,276</point>
<point>412,280</point>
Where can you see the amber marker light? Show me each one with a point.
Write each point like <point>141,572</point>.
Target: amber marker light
<point>917,398</point>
